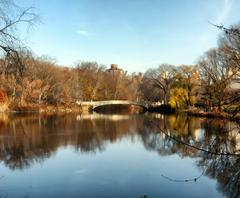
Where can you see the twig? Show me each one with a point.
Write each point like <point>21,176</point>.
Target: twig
<point>184,180</point>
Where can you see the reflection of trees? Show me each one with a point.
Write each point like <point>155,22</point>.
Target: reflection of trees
<point>26,140</point>
<point>181,127</point>
<point>18,158</point>
<point>94,134</point>
<point>225,170</point>
<point>217,136</point>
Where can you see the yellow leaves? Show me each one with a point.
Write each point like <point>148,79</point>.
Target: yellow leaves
<point>181,98</point>
<point>177,97</point>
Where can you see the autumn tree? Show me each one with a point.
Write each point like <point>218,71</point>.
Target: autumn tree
<point>187,79</point>
<point>179,98</point>
<point>90,76</point>
<point>118,86</point>
<point>135,86</point>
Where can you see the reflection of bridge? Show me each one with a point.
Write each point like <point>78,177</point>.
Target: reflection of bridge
<point>111,117</point>
<point>95,104</point>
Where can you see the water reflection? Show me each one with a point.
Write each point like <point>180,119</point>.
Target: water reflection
<point>29,140</point>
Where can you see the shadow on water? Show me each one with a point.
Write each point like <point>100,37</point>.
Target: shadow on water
<point>26,140</point>
<point>119,109</point>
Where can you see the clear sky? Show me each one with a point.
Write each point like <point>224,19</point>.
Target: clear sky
<point>135,34</point>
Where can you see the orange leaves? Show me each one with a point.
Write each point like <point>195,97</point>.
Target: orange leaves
<point>3,96</point>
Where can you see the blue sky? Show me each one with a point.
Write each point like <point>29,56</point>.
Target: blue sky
<point>135,34</point>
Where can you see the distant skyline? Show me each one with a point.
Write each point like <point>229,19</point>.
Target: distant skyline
<point>135,34</point>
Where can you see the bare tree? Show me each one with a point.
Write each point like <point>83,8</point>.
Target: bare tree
<point>220,70</point>
<point>215,70</point>
<point>162,78</point>
<point>11,16</point>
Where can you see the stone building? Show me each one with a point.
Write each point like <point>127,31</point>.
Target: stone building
<point>115,70</point>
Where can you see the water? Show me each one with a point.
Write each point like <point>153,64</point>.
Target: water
<point>117,156</point>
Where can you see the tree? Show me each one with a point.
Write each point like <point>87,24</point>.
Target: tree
<point>220,70</point>
<point>90,76</point>
<point>187,77</point>
<point>149,91</point>
<point>180,98</point>
<point>11,16</point>
<point>216,77</point>
<point>162,78</point>
<point>230,43</point>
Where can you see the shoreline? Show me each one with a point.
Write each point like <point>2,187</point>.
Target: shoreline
<point>65,109</point>
<point>46,109</point>
<point>210,114</point>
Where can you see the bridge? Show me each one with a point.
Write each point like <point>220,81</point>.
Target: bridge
<point>95,104</point>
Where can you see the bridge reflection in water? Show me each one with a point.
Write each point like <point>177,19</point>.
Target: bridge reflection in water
<point>26,141</point>
<point>94,116</point>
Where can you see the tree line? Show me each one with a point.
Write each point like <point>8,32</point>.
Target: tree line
<point>44,82</point>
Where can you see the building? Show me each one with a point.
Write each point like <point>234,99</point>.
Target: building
<point>115,70</point>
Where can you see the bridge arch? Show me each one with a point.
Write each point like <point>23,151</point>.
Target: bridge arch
<point>118,102</point>
<point>95,104</point>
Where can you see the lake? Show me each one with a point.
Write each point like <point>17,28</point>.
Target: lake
<point>135,156</point>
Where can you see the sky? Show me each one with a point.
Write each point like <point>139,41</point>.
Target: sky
<point>135,34</point>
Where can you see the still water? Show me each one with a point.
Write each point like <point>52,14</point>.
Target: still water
<point>102,156</point>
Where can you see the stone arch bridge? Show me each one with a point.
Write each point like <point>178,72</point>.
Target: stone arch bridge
<point>95,104</point>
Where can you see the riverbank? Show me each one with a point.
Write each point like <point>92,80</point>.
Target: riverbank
<point>48,109</point>
<point>71,108</point>
<point>211,114</point>
<point>197,112</point>
<point>83,109</point>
